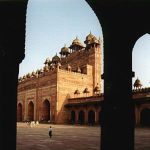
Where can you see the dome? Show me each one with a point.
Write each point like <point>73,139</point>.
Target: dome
<point>137,83</point>
<point>97,88</point>
<point>24,77</point>
<point>77,92</point>
<point>55,59</point>
<point>64,50</point>
<point>41,70</point>
<point>95,40</point>
<point>86,90</point>
<point>33,73</point>
<point>89,38</point>
<point>76,41</point>
<point>45,68</point>
<point>20,79</point>
<point>37,71</point>
<point>28,75</point>
<point>47,61</point>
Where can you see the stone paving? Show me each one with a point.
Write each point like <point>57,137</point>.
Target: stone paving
<point>69,137</point>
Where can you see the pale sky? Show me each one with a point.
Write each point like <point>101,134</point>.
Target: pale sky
<point>50,25</point>
<point>141,60</point>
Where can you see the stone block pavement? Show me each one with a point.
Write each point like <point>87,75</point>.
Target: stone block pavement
<point>69,137</point>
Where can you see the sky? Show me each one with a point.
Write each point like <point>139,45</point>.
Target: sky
<point>51,25</point>
<point>141,60</point>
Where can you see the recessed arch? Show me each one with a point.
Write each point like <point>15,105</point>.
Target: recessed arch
<point>19,112</point>
<point>31,111</point>
<point>91,117</point>
<point>81,117</point>
<point>46,110</point>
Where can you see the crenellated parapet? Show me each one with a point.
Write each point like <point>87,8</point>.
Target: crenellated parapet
<point>48,70</point>
<point>142,90</point>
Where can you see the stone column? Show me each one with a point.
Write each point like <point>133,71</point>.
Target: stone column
<point>137,116</point>
<point>12,41</point>
<point>96,117</point>
<point>76,116</point>
<point>26,109</point>
<point>86,115</point>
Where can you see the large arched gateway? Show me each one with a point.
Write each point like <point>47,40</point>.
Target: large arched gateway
<point>30,111</point>
<point>46,110</point>
<point>19,112</point>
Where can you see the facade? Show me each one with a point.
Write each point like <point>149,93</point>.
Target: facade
<point>68,88</point>
<point>42,95</point>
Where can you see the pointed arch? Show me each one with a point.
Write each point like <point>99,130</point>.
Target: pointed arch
<point>46,110</point>
<point>19,112</point>
<point>81,117</point>
<point>91,117</point>
<point>31,111</point>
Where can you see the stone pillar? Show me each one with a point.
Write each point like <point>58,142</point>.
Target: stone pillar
<point>96,116</point>
<point>76,116</point>
<point>137,116</point>
<point>118,107</point>
<point>35,108</point>
<point>25,109</point>
<point>121,29</point>
<point>86,116</point>
<point>12,41</point>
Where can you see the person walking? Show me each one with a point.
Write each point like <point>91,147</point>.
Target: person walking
<point>50,131</point>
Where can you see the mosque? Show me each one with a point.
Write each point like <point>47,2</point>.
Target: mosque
<point>68,89</point>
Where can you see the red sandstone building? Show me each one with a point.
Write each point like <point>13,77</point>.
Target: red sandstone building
<point>68,88</point>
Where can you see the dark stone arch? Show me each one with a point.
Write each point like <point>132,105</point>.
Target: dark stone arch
<point>81,117</point>
<point>73,117</point>
<point>121,28</point>
<point>19,112</point>
<point>30,111</point>
<point>145,117</point>
<point>46,110</point>
<point>91,117</point>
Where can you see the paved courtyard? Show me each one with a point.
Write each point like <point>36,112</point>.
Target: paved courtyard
<point>68,137</point>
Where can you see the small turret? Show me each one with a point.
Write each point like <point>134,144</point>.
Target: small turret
<point>55,59</point>
<point>88,38</point>
<point>137,84</point>
<point>76,45</point>
<point>77,92</point>
<point>64,51</point>
<point>91,41</point>
<point>97,90</point>
<point>86,91</point>
<point>47,61</point>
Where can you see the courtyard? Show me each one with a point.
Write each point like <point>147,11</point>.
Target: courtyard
<point>69,137</point>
